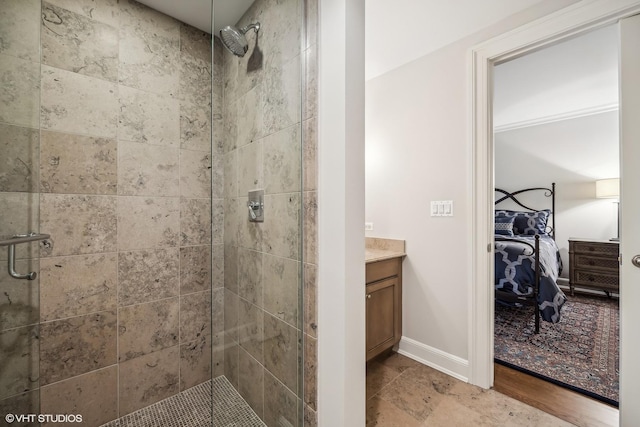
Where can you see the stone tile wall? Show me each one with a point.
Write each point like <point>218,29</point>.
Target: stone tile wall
<point>269,131</point>
<point>106,110</point>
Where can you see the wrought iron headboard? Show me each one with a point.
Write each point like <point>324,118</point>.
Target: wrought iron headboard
<point>548,192</point>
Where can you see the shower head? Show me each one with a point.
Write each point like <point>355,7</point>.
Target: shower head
<point>234,39</point>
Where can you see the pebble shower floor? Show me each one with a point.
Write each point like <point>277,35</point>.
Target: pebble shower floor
<point>192,408</point>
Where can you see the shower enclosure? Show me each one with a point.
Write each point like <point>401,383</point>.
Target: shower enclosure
<point>139,285</point>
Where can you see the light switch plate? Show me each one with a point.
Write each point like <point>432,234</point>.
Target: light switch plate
<point>442,208</point>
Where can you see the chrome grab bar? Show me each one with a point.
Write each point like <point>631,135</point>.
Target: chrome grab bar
<point>11,243</point>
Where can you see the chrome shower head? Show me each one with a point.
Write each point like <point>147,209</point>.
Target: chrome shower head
<point>234,40</point>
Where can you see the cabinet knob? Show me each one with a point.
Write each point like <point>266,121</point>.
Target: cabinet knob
<point>368,296</point>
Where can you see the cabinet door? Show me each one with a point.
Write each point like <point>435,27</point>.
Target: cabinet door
<point>382,302</point>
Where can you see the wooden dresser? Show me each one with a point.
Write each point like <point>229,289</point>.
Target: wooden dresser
<point>384,305</point>
<point>593,264</point>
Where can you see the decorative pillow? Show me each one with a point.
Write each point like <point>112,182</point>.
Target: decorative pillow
<point>527,223</point>
<point>504,225</point>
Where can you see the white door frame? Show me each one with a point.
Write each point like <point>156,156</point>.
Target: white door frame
<point>570,21</point>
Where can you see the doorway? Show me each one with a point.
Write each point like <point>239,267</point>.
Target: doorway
<point>570,21</point>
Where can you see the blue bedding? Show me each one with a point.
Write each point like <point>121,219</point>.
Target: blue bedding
<point>515,271</point>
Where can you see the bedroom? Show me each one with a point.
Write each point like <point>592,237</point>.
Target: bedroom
<point>571,141</point>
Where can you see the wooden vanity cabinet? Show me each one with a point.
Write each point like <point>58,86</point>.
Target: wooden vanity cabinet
<point>383,305</point>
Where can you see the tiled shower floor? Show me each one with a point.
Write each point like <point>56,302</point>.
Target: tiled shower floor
<point>192,408</point>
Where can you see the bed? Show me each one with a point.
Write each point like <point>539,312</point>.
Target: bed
<point>527,258</point>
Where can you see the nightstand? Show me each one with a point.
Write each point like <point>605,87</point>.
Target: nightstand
<point>593,264</point>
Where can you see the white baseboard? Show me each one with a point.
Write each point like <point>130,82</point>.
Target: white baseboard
<point>437,359</point>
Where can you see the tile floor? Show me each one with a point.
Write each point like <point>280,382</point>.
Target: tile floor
<point>192,408</point>
<point>404,393</point>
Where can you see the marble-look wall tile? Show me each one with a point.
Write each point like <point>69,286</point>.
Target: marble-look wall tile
<point>19,355</point>
<point>195,174</point>
<point>19,216</point>
<point>195,127</point>
<point>281,96</point>
<point>281,278</point>
<point>251,382</point>
<point>93,395</point>
<point>195,316</point>
<point>80,104</point>
<point>149,49</point>
<point>77,43</point>
<point>250,168</point>
<point>148,379</point>
<point>217,355</point>
<point>217,266</point>
<point>195,80</point>
<point>310,300</point>
<point>250,280</point>
<point>311,22</point>
<point>231,174</point>
<point>251,329</point>
<point>281,224</point>
<point>195,269</point>
<point>217,311</point>
<point>197,219</point>
<point>147,328</point>
<point>147,275</point>
<point>20,29</point>
<point>281,33</point>
<point>195,42</point>
<point>310,372</point>
<point>195,362</point>
<point>76,345</point>
<point>310,154</point>
<point>232,221</point>
<point>78,224</point>
<point>231,370</point>
<point>20,92</point>
<point>147,170</point>
<point>279,402</point>
<point>19,299</point>
<point>105,11</point>
<point>77,164</point>
<point>250,121</point>
<point>231,268</point>
<point>76,285</point>
<point>230,117</point>
<point>217,179</point>
<point>310,227</point>
<point>281,348</point>
<point>310,83</point>
<point>145,222</point>
<point>148,117</point>
<point>25,403</point>
<point>231,312</point>
<point>310,417</point>
<point>19,163</point>
<point>282,161</point>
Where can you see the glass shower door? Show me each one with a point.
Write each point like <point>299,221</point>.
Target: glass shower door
<point>19,206</point>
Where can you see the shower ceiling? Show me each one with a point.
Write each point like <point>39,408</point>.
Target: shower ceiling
<point>198,12</point>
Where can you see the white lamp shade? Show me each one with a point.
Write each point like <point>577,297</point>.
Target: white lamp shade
<point>608,188</point>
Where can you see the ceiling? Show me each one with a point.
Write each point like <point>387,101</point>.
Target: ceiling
<point>198,12</point>
<point>578,77</point>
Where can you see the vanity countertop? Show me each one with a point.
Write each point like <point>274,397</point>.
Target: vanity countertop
<point>381,249</point>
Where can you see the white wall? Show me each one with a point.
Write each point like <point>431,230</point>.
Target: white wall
<point>417,150</point>
<point>573,154</point>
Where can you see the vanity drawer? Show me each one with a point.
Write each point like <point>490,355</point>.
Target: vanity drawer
<point>383,269</point>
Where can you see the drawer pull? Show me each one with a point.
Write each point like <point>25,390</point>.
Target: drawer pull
<point>591,248</point>
<point>591,278</point>
<point>592,262</point>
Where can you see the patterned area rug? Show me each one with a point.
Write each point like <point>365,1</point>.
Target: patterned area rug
<point>580,352</point>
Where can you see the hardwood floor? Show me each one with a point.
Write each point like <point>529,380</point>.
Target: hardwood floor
<point>565,404</point>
